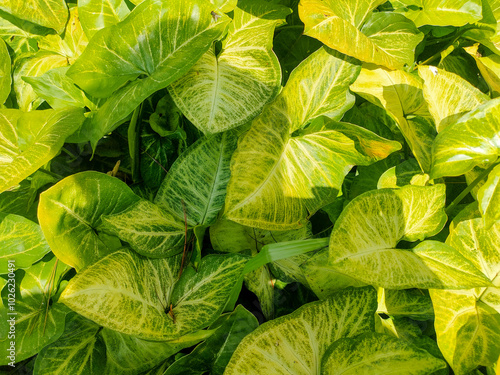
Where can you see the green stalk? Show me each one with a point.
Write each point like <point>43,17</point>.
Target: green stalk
<point>133,142</point>
<point>468,189</point>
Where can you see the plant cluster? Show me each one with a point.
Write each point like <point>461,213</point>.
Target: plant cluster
<point>250,187</point>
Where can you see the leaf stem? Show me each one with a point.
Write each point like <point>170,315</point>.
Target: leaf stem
<point>134,141</point>
<point>468,189</point>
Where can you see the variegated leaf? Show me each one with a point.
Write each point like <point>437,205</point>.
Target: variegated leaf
<point>488,197</point>
<point>228,89</point>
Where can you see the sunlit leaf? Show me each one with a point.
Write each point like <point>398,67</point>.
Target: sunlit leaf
<point>488,197</point>
<point>110,13</point>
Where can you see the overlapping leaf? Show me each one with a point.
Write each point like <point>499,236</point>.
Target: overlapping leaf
<point>139,292</point>
<point>296,343</point>
<point>29,140</point>
<point>282,173</point>
<point>147,50</point>
<point>110,13</point>
<point>363,244</point>
<point>471,141</point>
<point>381,38</point>
<point>227,89</point>
<point>401,95</point>
<point>488,198</point>
<point>71,210</point>
<point>468,321</point>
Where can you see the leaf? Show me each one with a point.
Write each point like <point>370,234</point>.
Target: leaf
<point>468,321</point>
<point>33,66</point>
<point>131,355</point>
<point>197,180</point>
<point>400,94</point>
<point>48,13</point>
<point>381,38</point>
<point>412,303</point>
<point>282,174</point>
<point>5,71</point>
<point>406,173</point>
<point>214,354</point>
<point>57,89</point>
<point>225,6</point>
<point>110,13</point>
<point>488,64</point>
<point>70,212</point>
<point>22,241</point>
<point>39,319</point>
<point>488,197</point>
<point>380,354</point>
<point>471,141</point>
<point>138,302</point>
<point>79,350</point>
<point>296,343</point>
<point>30,140</point>
<point>149,230</point>
<point>439,12</point>
<point>129,51</point>
<point>227,89</point>
<point>461,96</point>
<point>363,242</point>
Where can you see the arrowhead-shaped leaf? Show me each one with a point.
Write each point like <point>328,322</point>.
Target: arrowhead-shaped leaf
<point>448,95</point>
<point>471,141</point>
<point>30,140</point>
<point>378,354</point>
<point>208,94</point>
<point>411,303</point>
<point>400,94</point>
<point>147,49</point>
<point>21,241</point>
<point>439,12</point>
<point>381,38</point>
<point>282,173</point>
<point>363,244</point>
<point>70,212</point>
<point>48,13</point>
<point>296,343</point>
<point>138,302</point>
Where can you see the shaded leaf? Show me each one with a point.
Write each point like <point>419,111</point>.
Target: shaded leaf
<point>488,198</point>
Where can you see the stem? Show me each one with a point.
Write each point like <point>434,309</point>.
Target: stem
<point>52,174</point>
<point>134,141</point>
<point>468,189</point>
<point>453,40</point>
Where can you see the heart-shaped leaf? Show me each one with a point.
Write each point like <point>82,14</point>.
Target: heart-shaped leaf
<point>207,94</point>
<point>110,13</point>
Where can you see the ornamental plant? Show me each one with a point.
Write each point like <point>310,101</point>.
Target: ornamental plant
<point>249,187</point>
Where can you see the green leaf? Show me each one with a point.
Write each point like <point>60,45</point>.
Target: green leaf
<point>22,241</point>
<point>70,212</point>
<point>138,302</point>
<point>197,181</point>
<point>227,89</point>
<point>488,64</point>
<point>412,303</point>
<point>214,354</point>
<point>460,97</point>
<point>149,230</point>
<point>439,12</point>
<point>363,244</point>
<point>79,350</point>
<point>381,38</point>
<point>48,13</point>
<point>282,174</point>
<point>225,6</point>
<point>405,173</point>
<point>373,353</point>
<point>5,71</point>
<point>57,89</point>
<point>129,355</point>
<point>39,320</point>
<point>33,66</point>
<point>30,140</point>
<point>488,197</point>
<point>143,45</point>
<point>110,13</point>
<point>468,321</point>
<point>296,343</point>
<point>400,94</point>
<point>471,141</point>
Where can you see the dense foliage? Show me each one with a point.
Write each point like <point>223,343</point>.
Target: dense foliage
<point>250,187</point>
